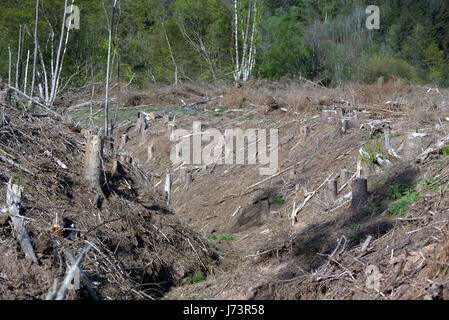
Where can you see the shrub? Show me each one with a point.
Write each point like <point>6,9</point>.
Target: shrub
<point>384,66</point>
<point>400,207</point>
<point>397,191</point>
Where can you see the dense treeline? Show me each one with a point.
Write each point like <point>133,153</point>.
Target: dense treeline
<point>172,41</point>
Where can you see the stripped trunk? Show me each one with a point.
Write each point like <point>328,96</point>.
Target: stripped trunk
<point>106,104</point>
<point>26,74</point>
<point>9,67</point>
<point>249,30</point>
<point>19,53</point>
<point>236,38</point>
<point>171,52</point>
<point>58,56</point>
<point>35,48</point>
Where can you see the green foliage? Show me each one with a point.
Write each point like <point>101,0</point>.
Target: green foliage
<point>321,40</point>
<point>384,66</point>
<point>445,151</point>
<point>401,206</point>
<point>278,200</point>
<point>197,277</point>
<point>372,151</point>
<point>397,191</point>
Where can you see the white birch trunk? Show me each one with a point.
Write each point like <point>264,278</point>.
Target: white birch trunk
<point>106,106</point>
<point>9,68</point>
<point>236,36</point>
<point>18,58</point>
<point>26,74</point>
<point>58,56</point>
<point>36,42</point>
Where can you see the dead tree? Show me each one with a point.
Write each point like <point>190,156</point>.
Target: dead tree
<point>92,161</point>
<point>106,106</point>
<point>14,197</point>
<point>36,43</point>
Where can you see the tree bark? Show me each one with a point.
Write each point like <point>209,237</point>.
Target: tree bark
<point>35,48</point>
<point>92,161</point>
<point>14,199</point>
<point>359,191</point>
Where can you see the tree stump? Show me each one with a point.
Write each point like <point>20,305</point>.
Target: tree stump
<point>141,124</point>
<point>264,208</point>
<point>359,191</point>
<point>304,132</point>
<point>171,130</point>
<point>344,176</point>
<point>92,161</point>
<point>328,117</point>
<point>188,180</point>
<point>414,144</point>
<point>332,189</point>
<point>344,125</point>
<point>150,151</point>
<point>124,140</point>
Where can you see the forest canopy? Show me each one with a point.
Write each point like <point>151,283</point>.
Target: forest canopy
<point>168,41</point>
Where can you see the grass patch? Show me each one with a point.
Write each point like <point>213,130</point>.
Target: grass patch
<point>397,191</point>
<point>401,206</point>
<point>371,151</point>
<point>278,200</point>
<point>197,277</point>
<point>213,239</point>
<point>445,151</point>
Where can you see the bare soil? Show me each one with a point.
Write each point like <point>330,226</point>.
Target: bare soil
<point>145,249</point>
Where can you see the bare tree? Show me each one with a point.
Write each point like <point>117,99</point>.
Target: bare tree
<point>106,106</point>
<point>36,42</point>
<point>57,68</point>
<point>248,32</point>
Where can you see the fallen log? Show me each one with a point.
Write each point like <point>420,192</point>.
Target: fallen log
<point>14,199</point>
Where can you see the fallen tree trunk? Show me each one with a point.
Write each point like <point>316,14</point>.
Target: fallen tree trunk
<point>14,199</point>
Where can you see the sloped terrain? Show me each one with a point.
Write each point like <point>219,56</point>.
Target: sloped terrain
<point>139,247</point>
<point>229,233</point>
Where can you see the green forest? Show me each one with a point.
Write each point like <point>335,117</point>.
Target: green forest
<point>175,41</point>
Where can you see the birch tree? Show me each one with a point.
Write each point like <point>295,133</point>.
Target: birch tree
<point>248,34</point>
<point>106,103</point>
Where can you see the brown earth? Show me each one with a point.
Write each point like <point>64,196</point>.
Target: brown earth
<point>264,256</point>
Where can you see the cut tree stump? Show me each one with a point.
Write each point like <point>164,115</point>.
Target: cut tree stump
<point>414,144</point>
<point>332,189</point>
<point>124,140</point>
<point>328,117</point>
<point>92,161</point>
<point>141,124</point>
<point>344,176</point>
<point>359,191</point>
<point>304,132</point>
<point>150,151</point>
<point>14,197</point>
